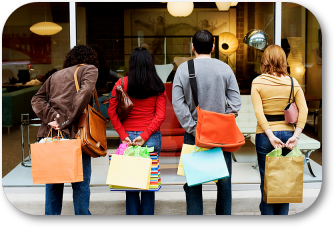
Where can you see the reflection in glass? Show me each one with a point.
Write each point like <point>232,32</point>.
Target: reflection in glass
<point>257,38</point>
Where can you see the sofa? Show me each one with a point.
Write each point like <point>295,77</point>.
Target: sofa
<point>16,103</point>
<point>171,131</point>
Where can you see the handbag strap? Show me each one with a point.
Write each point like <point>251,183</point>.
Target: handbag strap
<point>193,82</point>
<point>292,91</point>
<point>78,88</point>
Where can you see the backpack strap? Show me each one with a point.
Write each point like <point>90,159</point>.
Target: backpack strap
<point>193,82</point>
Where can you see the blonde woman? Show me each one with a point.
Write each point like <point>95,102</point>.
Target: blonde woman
<point>270,95</point>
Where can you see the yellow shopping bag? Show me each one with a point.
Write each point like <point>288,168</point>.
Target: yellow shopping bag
<point>128,171</point>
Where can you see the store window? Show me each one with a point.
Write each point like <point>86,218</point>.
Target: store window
<point>302,42</point>
<point>30,57</point>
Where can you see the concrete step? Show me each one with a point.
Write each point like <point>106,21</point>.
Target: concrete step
<point>170,200</point>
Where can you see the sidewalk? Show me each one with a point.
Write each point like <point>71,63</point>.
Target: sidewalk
<point>170,200</point>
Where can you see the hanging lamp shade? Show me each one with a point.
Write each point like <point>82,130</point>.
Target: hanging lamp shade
<point>223,6</point>
<point>45,28</point>
<point>234,3</point>
<point>228,43</point>
<point>180,9</point>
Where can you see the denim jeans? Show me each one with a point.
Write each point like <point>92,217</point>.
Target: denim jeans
<point>81,193</point>
<point>263,147</point>
<point>194,197</point>
<point>145,205</point>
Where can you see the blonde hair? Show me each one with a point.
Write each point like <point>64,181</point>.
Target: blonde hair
<point>274,60</point>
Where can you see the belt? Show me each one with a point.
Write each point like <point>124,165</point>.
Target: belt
<point>275,118</point>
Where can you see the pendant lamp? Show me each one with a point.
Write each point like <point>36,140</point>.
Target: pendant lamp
<point>45,28</point>
<point>223,6</point>
<point>180,9</point>
<point>234,3</point>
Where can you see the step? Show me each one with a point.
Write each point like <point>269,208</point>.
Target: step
<point>170,200</point>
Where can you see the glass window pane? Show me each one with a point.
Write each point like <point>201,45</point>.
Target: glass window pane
<point>29,56</point>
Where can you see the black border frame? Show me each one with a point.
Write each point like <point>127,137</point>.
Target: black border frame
<point>301,219</point>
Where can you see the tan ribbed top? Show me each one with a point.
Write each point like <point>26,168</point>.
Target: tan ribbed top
<point>270,95</point>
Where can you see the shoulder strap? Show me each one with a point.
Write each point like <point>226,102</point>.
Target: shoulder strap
<point>193,82</point>
<point>292,91</point>
<point>123,83</point>
<point>78,88</point>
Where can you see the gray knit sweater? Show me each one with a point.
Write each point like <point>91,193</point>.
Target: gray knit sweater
<point>217,87</point>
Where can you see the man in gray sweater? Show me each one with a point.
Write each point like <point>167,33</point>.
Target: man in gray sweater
<point>218,91</point>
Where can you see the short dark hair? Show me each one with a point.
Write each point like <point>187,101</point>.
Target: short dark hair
<point>203,42</point>
<point>81,54</point>
<point>143,80</point>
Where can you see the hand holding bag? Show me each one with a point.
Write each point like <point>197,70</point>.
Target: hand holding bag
<point>124,105</point>
<point>291,111</point>
<point>92,128</point>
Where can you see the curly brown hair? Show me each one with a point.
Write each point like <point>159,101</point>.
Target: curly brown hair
<point>81,54</point>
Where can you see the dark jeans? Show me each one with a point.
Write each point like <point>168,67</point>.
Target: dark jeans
<point>194,197</point>
<point>263,147</point>
<point>145,206</point>
<point>81,193</point>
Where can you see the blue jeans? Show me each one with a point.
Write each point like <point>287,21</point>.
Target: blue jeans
<point>194,197</point>
<point>145,206</point>
<point>81,193</point>
<point>263,147</point>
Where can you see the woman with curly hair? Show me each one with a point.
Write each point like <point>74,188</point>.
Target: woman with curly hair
<point>59,105</point>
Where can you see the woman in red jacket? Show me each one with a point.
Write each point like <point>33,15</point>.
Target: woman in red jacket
<point>142,125</point>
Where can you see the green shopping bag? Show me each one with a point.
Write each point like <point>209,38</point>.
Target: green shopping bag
<point>138,151</point>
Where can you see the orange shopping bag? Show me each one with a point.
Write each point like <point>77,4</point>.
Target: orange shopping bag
<point>57,162</point>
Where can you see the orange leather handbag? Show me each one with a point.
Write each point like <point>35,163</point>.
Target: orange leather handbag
<point>214,129</point>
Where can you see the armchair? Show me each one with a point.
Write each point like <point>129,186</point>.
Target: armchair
<point>171,131</point>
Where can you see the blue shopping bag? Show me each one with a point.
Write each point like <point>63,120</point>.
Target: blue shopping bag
<point>204,166</point>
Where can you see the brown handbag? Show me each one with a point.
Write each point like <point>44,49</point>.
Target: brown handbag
<point>124,105</point>
<point>92,128</point>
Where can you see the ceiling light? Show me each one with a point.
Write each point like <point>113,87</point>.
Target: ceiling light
<point>223,6</point>
<point>180,9</point>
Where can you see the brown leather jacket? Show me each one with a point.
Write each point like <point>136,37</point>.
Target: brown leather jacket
<point>58,95</point>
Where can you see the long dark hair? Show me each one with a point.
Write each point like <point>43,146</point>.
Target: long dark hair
<point>144,81</point>
<point>81,54</point>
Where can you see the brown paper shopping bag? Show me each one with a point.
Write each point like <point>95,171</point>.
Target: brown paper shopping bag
<point>57,162</point>
<point>128,171</point>
<point>283,180</point>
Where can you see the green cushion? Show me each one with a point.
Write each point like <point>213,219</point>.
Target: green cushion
<point>16,103</point>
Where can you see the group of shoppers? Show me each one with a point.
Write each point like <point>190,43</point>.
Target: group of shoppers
<point>59,106</point>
